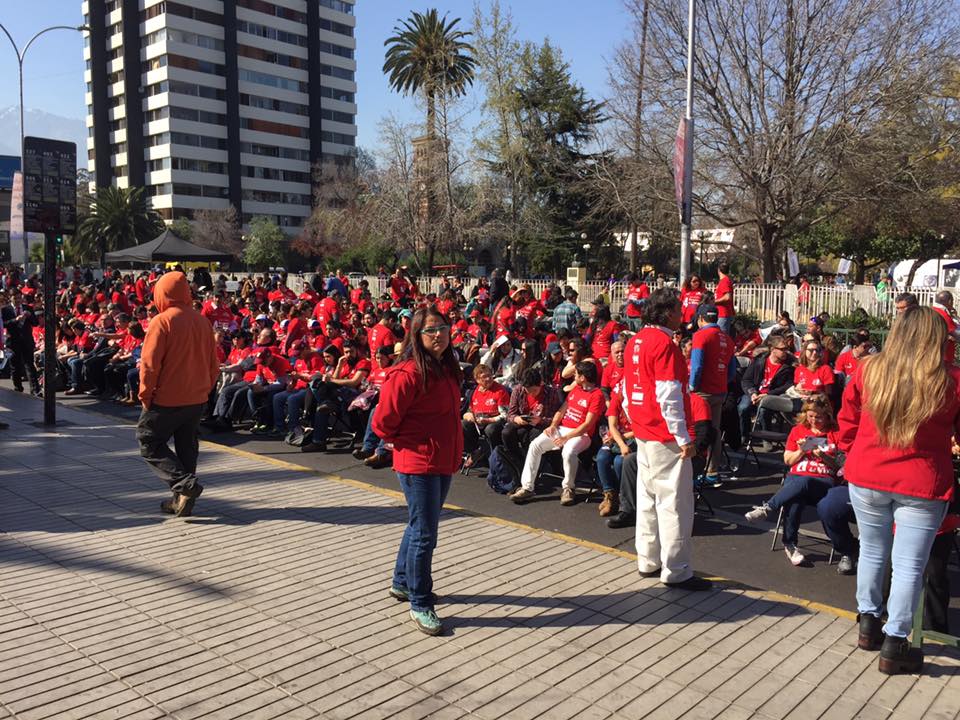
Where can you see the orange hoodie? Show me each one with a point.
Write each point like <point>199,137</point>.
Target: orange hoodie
<point>179,364</point>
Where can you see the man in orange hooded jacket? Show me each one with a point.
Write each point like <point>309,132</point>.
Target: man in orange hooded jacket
<point>178,368</point>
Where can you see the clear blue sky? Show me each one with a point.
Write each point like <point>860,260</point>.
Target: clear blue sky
<point>587,32</point>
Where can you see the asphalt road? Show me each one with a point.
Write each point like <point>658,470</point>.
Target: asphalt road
<point>725,545</point>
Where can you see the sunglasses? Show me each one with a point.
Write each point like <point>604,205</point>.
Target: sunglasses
<point>435,330</point>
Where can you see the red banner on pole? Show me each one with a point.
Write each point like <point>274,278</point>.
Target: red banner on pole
<point>679,163</point>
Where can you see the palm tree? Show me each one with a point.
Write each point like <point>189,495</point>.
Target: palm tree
<point>119,218</point>
<point>427,54</point>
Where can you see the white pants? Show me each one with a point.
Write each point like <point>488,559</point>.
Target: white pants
<point>543,444</point>
<point>664,511</point>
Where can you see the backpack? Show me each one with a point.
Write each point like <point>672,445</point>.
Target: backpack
<point>502,476</point>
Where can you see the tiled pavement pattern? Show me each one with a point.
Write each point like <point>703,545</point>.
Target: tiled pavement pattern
<point>272,602</point>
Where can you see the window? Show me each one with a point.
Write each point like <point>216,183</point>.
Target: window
<point>336,50</point>
<point>276,197</point>
<point>201,166</point>
<point>336,27</point>
<point>338,138</point>
<point>120,124</point>
<point>175,8</point>
<point>273,80</point>
<point>117,148</point>
<point>191,140</point>
<point>157,114</point>
<point>265,103</point>
<point>203,91</point>
<point>153,63</point>
<point>196,65</point>
<point>337,116</point>
<point>275,10</point>
<point>189,38</point>
<point>200,190</point>
<point>271,33</point>
<point>115,77</point>
<point>264,173</point>
<point>335,94</point>
<point>271,57</point>
<point>337,72</point>
<point>281,220</point>
<point>157,88</point>
<point>159,164</point>
<point>274,151</point>
<point>205,116</point>
<point>338,5</point>
<point>158,139</point>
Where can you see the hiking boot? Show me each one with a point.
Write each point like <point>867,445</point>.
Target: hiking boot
<point>183,506</point>
<point>898,657</point>
<point>170,506</point>
<point>871,632</point>
<point>426,621</point>
<point>847,565</point>
<point>521,496</point>
<point>568,497</point>
<point>794,555</point>
<point>759,512</point>
<point>610,504</point>
<point>621,520</point>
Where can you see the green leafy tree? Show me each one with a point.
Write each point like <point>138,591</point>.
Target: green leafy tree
<point>182,228</point>
<point>118,218</point>
<point>263,244</point>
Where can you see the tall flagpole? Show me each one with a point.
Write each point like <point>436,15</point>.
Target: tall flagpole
<point>687,208</point>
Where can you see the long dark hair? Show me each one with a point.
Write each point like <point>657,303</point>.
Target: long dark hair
<point>428,367</point>
<point>532,357</point>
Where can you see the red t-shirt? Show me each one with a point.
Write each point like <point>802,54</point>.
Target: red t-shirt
<point>580,402</point>
<point>504,320</point>
<point>380,336</point>
<point>635,294</point>
<point>487,403</point>
<point>741,340</point>
<point>717,349</point>
<point>219,316</point>
<point>604,339</point>
<point>808,465</point>
<point>818,380</point>
<point>652,357</point>
<point>378,376</point>
<point>846,363</point>
<point>348,369</point>
<point>311,365</point>
<point>611,375</point>
<point>770,369</point>
<point>725,308</point>
<point>616,409</point>
<point>699,411</point>
<point>689,300</point>
<point>237,355</point>
<point>278,367</point>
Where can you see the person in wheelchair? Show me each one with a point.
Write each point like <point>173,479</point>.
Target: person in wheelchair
<point>814,461</point>
<point>571,432</point>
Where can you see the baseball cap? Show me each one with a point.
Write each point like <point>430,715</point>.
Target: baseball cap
<point>261,316</point>
<point>313,322</point>
<point>552,348</point>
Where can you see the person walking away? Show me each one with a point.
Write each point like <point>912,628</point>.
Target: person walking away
<point>943,306</point>
<point>178,368</point>
<point>711,370</point>
<point>723,299</point>
<point>658,406</point>
<point>898,415</point>
<point>419,412</point>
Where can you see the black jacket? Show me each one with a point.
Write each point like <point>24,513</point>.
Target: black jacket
<point>753,376</point>
<point>19,332</point>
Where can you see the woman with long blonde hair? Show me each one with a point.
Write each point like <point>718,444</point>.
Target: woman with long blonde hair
<point>900,410</point>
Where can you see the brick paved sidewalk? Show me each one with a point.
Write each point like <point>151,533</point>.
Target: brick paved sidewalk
<point>271,602</point>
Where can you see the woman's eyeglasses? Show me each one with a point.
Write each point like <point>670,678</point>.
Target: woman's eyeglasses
<point>435,330</point>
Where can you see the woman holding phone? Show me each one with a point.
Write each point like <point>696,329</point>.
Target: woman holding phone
<point>812,455</point>
<point>419,412</point>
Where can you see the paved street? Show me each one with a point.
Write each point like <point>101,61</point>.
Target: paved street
<point>271,602</point>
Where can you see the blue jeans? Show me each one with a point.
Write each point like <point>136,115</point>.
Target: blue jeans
<point>75,365</point>
<point>797,492</point>
<point>371,442</point>
<point>917,522</point>
<point>836,515</point>
<point>414,569</point>
<point>609,463</point>
<point>725,324</point>
<point>293,400</point>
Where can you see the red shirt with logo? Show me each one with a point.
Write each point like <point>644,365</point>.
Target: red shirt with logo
<point>617,408</point>
<point>580,402</point>
<point>817,380</point>
<point>308,366</point>
<point>808,465</point>
<point>847,363</point>
<point>652,357</point>
<point>487,403</point>
<point>635,294</point>
<point>611,375</point>
<point>770,369</point>
<point>689,300</point>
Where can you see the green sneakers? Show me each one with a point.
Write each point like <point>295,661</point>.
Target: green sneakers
<point>426,621</point>
<point>399,594</point>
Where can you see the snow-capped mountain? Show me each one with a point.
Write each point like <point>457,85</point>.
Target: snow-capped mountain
<point>41,124</point>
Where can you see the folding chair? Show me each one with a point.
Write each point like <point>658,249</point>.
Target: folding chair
<point>587,468</point>
<point>772,436</point>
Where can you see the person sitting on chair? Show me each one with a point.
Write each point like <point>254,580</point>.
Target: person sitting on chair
<point>485,418</point>
<point>813,458</point>
<point>768,375</point>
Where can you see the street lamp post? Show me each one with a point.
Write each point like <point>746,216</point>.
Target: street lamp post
<point>21,54</point>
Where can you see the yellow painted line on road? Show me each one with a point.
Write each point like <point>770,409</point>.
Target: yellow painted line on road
<point>397,495</point>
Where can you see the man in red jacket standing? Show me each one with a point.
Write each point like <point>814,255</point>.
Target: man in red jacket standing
<point>711,368</point>
<point>658,406</point>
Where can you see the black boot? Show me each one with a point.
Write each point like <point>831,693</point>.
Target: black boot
<point>898,657</point>
<point>871,632</point>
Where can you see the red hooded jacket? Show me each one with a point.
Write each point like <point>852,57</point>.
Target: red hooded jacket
<point>424,427</point>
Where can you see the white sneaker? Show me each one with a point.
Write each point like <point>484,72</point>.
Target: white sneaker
<point>759,512</point>
<point>794,555</point>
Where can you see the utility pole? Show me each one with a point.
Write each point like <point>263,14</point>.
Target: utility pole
<point>686,218</point>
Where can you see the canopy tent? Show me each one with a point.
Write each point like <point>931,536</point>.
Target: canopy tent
<point>168,246</point>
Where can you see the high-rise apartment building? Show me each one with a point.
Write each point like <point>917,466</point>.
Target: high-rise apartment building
<point>209,103</point>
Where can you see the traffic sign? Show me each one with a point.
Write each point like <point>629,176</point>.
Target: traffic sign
<point>49,185</point>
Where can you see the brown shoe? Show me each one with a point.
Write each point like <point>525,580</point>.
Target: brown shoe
<point>611,503</point>
<point>170,506</point>
<point>183,505</point>
<point>568,497</point>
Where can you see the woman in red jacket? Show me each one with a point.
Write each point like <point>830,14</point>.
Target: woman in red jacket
<point>419,412</point>
<point>899,412</point>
